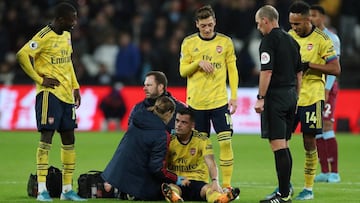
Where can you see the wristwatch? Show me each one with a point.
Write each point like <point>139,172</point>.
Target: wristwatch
<point>260,97</point>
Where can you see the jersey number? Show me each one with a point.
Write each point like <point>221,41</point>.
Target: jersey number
<point>310,117</point>
<point>327,110</point>
<point>228,119</point>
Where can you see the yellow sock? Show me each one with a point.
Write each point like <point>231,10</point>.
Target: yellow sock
<point>68,161</point>
<point>42,161</point>
<point>311,160</point>
<point>226,157</point>
<point>212,196</point>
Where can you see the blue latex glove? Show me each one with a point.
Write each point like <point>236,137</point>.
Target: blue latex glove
<point>179,180</point>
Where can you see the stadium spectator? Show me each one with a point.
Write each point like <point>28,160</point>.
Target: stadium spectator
<point>128,59</point>
<point>349,18</point>
<point>171,63</point>
<point>98,18</point>
<point>113,108</point>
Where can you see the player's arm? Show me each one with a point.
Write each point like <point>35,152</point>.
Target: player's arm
<point>213,171</point>
<point>299,72</point>
<point>264,81</point>
<point>25,60</point>
<point>330,80</point>
<point>332,67</point>
<point>187,66</point>
<point>233,83</point>
<point>157,162</point>
<point>26,57</point>
<point>298,84</point>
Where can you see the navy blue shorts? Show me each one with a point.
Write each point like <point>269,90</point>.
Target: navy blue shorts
<point>54,114</point>
<point>192,192</point>
<point>310,118</point>
<point>220,118</point>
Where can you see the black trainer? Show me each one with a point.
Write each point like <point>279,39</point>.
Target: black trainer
<point>277,199</point>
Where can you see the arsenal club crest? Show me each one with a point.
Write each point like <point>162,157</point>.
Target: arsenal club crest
<point>192,151</point>
<point>309,47</point>
<point>51,120</point>
<point>219,49</point>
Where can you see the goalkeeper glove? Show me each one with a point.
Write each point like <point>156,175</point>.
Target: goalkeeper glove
<point>305,66</point>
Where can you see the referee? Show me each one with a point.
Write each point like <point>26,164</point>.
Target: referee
<point>279,86</point>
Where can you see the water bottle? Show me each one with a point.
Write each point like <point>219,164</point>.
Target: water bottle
<point>116,193</point>
<point>93,191</point>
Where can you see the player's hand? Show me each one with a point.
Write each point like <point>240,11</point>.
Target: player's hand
<point>232,106</point>
<point>259,106</point>
<point>50,82</point>
<point>206,66</point>
<point>215,186</point>
<point>305,66</point>
<point>77,98</point>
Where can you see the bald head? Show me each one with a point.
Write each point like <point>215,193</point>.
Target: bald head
<point>268,12</point>
<point>266,19</point>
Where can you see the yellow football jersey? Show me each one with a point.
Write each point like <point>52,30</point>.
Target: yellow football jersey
<point>316,48</point>
<point>52,58</point>
<point>188,159</point>
<point>208,91</point>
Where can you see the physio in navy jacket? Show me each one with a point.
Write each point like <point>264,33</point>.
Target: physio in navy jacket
<point>155,85</point>
<point>138,165</point>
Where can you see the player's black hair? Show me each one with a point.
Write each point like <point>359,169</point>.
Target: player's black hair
<point>300,7</point>
<point>319,8</point>
<point>64,9</point>
<point>186,111</point>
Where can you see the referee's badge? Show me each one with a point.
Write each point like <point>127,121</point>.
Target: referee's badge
<point>265,58</point>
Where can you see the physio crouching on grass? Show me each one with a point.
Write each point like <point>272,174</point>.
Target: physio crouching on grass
<point>138,166</point>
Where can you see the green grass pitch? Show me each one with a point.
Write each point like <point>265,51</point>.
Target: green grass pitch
<point>254,167</point>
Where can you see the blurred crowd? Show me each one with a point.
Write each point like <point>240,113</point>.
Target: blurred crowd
<point>121,40</point>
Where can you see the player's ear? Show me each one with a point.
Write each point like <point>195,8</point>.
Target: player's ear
<point>307,18</point>
<point>193,125</point>
<point>197,23</point>
<point>265,20</point>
